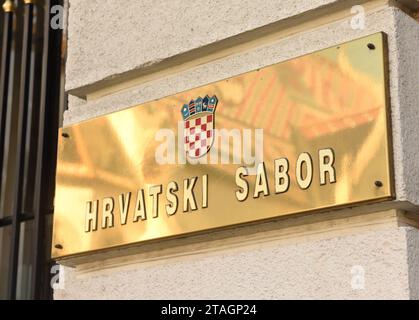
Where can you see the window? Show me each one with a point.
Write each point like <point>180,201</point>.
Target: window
<point>31,102</point>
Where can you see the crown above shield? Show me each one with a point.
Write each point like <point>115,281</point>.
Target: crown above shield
<point>199,106</point>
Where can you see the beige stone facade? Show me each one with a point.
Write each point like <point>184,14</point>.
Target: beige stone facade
<point>122,54</point>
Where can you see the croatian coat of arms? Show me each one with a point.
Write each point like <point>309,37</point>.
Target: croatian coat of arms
<point>199,118</point>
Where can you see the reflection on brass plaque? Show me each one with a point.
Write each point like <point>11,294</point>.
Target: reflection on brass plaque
<point>303,135</point>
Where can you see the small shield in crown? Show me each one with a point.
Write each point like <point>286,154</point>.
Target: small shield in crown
<point>199,118</point>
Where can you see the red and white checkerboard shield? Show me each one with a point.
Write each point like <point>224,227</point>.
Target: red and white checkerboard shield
<point>199,135</point>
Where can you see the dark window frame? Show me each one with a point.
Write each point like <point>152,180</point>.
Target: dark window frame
<point>31,79</point>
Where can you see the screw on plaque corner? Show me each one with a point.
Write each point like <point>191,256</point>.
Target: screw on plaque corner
<point>371,46</point>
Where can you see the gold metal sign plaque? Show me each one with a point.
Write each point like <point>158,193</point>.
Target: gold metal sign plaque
<point>304,135</point>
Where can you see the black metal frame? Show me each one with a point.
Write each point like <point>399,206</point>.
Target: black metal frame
<point>31,80</point>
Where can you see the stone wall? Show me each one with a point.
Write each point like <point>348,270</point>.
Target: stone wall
<point>120,55</point>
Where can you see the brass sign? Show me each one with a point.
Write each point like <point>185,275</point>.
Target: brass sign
<point>303,135</point>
